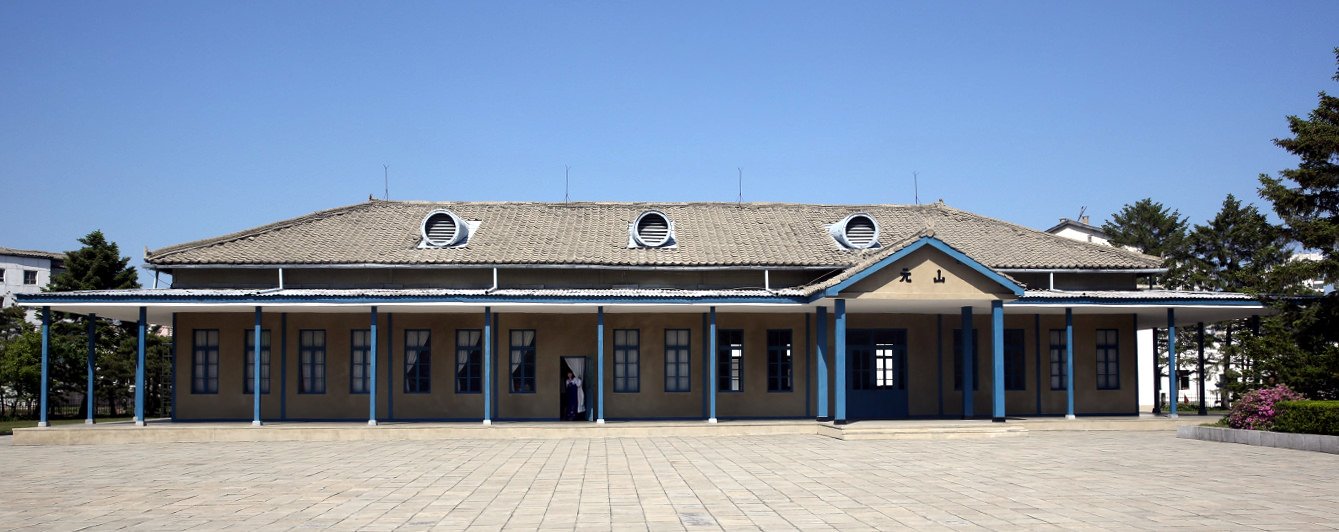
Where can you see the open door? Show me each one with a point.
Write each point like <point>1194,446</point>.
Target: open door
<point>584,410</point>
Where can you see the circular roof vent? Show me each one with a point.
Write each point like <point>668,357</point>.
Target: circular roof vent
<point>442,228</point>
<point>858,231</point>
<point>652,229</point>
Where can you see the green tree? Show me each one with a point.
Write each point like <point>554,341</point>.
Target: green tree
<point>18,378</point>
<point>1149,227</point>
<point>98,265</point>
<point>1306,198</point>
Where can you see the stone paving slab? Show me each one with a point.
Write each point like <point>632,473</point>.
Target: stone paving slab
<point>1049,480</point>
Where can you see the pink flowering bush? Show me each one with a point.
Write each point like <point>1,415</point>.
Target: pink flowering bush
<point>1256,409</point>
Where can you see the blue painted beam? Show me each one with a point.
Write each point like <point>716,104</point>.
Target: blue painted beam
<point>1069,363</point>
<point>255,373</point>
<point>372,373</point>
<point>715,378</point>
<point>92,365</point>
<point>599,364</point>
<point>1171,361</point>
<point>488,365</point>
<point>823,379</point>
<point>839,353</point>
<point>997,352</point>
<point>968,358</point>
<point>139,367</point>
<point>46,349</point>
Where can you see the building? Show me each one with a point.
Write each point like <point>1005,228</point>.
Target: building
<point>1187,379</point>
<point>397,310</point>
<point>26,272</point>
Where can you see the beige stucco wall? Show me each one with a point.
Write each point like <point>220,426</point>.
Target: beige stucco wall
<point>559,335</point>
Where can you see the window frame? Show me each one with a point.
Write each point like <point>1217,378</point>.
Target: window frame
<point>30,274</point>
<point>1107,357</point>
<point>473,362</point>
<point>305,387</point>
<point>365,349</point>
<point>420,372</point>
<point>527,355</point>
<point>1059,356</point>
<point>249,357</point>
<point>631,381</point>
<point>210,384</point>
<point>725,362</point>
<point>775,362</point>
<point>1015,360</point>
<point>682,361</point>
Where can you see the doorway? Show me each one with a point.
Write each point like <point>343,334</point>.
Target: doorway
<point>877,386</point>
<point>579,367</point>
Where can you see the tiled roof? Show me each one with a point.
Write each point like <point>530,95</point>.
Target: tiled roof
<point>1033,296</point>
<point>31,253</point>
<point>707,235</point>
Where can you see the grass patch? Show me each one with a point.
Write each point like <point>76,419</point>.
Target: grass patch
<point>7,427</point>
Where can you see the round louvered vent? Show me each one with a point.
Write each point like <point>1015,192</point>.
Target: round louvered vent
<point>859,231</point>
<point>652,229</point>
<point>441,228</point>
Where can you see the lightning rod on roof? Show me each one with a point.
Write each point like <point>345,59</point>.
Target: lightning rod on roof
<point>567,183</point>
<point>916,186</point>
<point>741,185</point>
<point>386,177</point>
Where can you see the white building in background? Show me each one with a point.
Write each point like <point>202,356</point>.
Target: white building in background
<point>1187,384</point>
<point>26,272</point>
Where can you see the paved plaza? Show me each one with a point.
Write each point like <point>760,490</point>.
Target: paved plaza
<point>1069,480</point>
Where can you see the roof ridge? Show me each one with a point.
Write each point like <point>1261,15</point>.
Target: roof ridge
<point>149,256</point>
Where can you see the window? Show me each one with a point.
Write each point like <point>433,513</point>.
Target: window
<point>1183,379</point>
<point>249,362</point>
<point>1108,360</point>
<point>1015,376</point>
<point>957,360</point>
<point>29,276</point>
<point>677,376</point>
<point>205,362</point>
<point>523,361</point>
<point>311,361</point>
<point>877,358</point>
<point>627,360</point>
<point>360,361</point>
<point>780,365</point>
<point>1059,360</point>
<point>730,360</point>
<point>418,361</point>
<point>469,360</point>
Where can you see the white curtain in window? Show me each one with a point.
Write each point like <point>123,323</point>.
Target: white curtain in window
<point>578,367</point>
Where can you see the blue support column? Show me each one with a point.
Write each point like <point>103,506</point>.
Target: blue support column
<point>488,365</point>
<point>997,352</point>
<point>1069,363</point>
<point>46,348</point>
<point>92,363</point>
<point>599,365</point>
<point>839,354</point>
<point>1174,396</point>
<point>715,379</point>
<point>372,373</point>
<point>968,360</point>
<point>139,368</point>
<point>823,414</point>
<point>255,374</point>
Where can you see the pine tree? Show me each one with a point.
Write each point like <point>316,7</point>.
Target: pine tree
<point>1306,198</point>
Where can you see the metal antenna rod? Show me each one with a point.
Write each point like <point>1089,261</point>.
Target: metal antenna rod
<point>567,183</point>
<point>741,185</point>
<point>916,186</point>
<point>386,176</point>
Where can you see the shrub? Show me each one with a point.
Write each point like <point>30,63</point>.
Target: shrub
<point>1307,417</point>
<point>1256,410</point>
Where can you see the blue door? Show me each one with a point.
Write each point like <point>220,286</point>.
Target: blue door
<point>876,386</point>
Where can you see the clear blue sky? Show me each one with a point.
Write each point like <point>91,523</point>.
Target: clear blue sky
<point>163,122</point>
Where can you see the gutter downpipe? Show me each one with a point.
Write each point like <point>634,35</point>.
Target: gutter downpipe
<point>493,288</point>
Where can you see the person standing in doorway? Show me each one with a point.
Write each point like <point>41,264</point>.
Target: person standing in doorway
<point>571,393</point>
